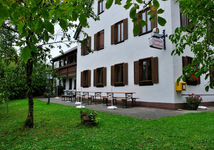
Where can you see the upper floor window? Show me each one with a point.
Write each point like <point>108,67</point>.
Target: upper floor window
<point>119,74</point>
<point>184,19</point>
<point>85,46</point>
<point>86,78</point>
<point>146,71</point>
<point>119,27</point>
<point>101,7</point>
<point>119,32</point>
<point>72,58</point>
<point>100,77</point>
<point>149,25</point>
<point>191,79</point>
<point>99,40</point>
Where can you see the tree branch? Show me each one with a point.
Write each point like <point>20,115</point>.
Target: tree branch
<point>56,43</point>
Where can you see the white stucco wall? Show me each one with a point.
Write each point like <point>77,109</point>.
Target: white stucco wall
<point>133,49</point>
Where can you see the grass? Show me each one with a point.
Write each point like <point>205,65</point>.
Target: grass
<point>58,127</point>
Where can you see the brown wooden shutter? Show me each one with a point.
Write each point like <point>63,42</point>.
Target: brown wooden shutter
<point>125,73</point>
<point>89,43</point>
<point>82,49</point>
<point>125,29</point>
<point>95,42</point>
<point>136,72</point>
<point>104,76</point>
<point>198,81</point>
<point>211,73</point>
<point>102,39</point>
<point>113,34</point>
<point>155,70</point>
<point>95,77</point>
<point>154,23</point>
<point>98,7</point>
<point>184,62</point>
<point>112,76</point>
<point>89,78</point>
<point>81,82</point>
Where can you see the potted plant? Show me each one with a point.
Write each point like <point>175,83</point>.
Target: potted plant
<point>88,117</point>
<point>193,101</point>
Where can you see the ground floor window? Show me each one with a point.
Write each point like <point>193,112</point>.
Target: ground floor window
<point>119,74</point>
<point>100,77</point>
<point>86,78</point>
<point>146,71</point>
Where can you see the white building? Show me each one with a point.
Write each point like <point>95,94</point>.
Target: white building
<point>124,62</point>
<point>65,66</point>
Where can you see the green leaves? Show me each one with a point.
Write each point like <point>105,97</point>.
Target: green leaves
<point>160,11</point>
<point>20,27</point>
<point>156,4</point>
<point>109,3</point>
<point>83,20</point>
<point>136,29</point>
<point>161,21</point>
<point>49,27</point>
<point>63,24</point>
<point>4,13</point>
<point>26,53</point>
<point>132,13</point>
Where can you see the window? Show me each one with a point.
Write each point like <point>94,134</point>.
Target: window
<point>100,77</point>
<point>72,58</point>
<point>99,40</point>
<point>119,74</point>
<point>85,46</point>
<point>100,7</point>
<point>119,32</point>
<point>86,78</point>
<point>60,64</point>
<point>190,78</point>
<point>75,84</point>
<point>70,83</point>
<point>150,25</point>
<point>146,71</point>
<point>64,83</point>
<point>64,61</point>
<point>120,35</point>
<point>184,20</point>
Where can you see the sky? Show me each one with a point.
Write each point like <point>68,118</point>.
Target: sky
<point>58,33</point>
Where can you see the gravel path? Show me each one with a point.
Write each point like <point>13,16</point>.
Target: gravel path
<point>139,112</point>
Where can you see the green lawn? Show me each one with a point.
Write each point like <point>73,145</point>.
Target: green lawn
<point>58,127</point>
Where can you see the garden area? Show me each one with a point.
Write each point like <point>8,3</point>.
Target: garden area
<point>59,127</point>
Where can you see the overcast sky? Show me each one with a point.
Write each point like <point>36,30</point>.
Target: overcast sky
<point>58,34</point>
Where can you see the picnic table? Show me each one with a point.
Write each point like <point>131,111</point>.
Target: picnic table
<point>105,97</point>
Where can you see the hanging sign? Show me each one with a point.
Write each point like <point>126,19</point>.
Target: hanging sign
<point>156,42</point>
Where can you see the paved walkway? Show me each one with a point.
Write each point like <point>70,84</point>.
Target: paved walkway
<point>139,112</point>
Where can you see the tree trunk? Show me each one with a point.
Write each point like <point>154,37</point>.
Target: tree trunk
<point>7,106</point>
<point>29,121</point>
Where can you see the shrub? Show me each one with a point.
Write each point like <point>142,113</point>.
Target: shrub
<point>193,101</point>
<point>88,117</point>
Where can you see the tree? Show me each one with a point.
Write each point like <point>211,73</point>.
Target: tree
<point>198,36</point>
<point>33,22</point>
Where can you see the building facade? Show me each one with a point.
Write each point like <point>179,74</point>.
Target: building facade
<point>121,61</point>
<point>65,66</point>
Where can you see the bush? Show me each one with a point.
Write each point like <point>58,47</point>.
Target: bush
<point>193,101</point>
<point>88,117</point>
